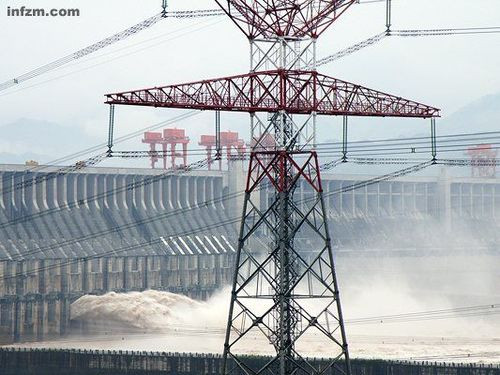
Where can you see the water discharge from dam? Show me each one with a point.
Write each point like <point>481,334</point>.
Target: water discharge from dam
<point>370,287</point>
<point>150,310</point>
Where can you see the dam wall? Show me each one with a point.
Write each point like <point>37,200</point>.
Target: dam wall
<point>96,230</point>
<point>109,212</point>
<point>35,295</point>
<point>134,212</point>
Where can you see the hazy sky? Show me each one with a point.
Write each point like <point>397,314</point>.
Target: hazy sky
<point>447,72</point>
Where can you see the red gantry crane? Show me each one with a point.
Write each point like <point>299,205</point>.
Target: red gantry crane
<point>483,160</point>
<point>228,140</point>
<point>169,137</point>
<point>153,139</point>
<point>172,138</point>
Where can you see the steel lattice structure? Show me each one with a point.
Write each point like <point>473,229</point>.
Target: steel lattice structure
<point>295,92</point>
<point>284,18</point>
<point>286,294</point>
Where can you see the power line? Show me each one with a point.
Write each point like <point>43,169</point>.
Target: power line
<point>166,215</point>
<point>352,49</point>
<point>114,58</point>
<point>446,31</point>
<point>425,318</point>
<point>406,33</point>
<point>408,147</point>
<point>218,12</point>
<point>351,187</point>
<point>135,29</point>
<point>83,52</point>
<point>420,150</point>
<point>389,176</point>
<point>455,356</point>
<point>473,311</point>
<point>146,181</point>
<point>148,220</point>
<point>404,144</point>
<point>356,159</point>
<point>440,138</point>
<point>122,250</point>
<point>429,315</point>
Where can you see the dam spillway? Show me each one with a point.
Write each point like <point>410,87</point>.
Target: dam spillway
<point>179,233</point>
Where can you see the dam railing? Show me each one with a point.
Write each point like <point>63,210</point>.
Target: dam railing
<point>28,361</point>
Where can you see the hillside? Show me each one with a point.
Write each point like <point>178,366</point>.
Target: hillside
<point>27,139</point>
<point>482,115</point>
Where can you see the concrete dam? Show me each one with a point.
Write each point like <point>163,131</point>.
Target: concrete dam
<point>98,230</point>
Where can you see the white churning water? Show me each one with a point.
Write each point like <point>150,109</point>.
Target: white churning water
<point>162,321</point>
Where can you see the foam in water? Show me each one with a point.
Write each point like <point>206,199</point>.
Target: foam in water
<point>162,321</point>
<point>149,311</point>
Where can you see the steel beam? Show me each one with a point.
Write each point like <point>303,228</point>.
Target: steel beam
<point>292,91</point>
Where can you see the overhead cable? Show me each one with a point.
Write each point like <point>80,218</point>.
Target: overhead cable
<point>429,315</point>
<point>352,49</point>
<point>183,211</point>
<point>135,29</point>
<point>406,33</point>
<point>83,52</point>
<point>447,31</point>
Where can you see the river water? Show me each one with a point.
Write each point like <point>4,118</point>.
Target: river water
<point>370,287</point>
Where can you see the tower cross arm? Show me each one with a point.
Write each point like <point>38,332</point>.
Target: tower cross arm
<point>292,91</point>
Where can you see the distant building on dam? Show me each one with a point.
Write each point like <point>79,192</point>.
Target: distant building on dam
<point>64,235</point>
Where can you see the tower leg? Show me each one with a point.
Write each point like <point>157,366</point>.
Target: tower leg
<point>285,290</point>
<point>336,286</point>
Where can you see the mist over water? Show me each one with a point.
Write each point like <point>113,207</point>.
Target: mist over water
<point>371,286</point>
<point>389,286</point>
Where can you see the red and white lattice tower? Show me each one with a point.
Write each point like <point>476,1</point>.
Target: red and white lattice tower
<point>283,295</point>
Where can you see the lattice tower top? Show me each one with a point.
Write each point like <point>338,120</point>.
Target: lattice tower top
<point>294,19</point>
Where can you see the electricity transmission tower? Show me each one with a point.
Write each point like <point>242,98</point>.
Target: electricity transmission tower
<point>283,296</point>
